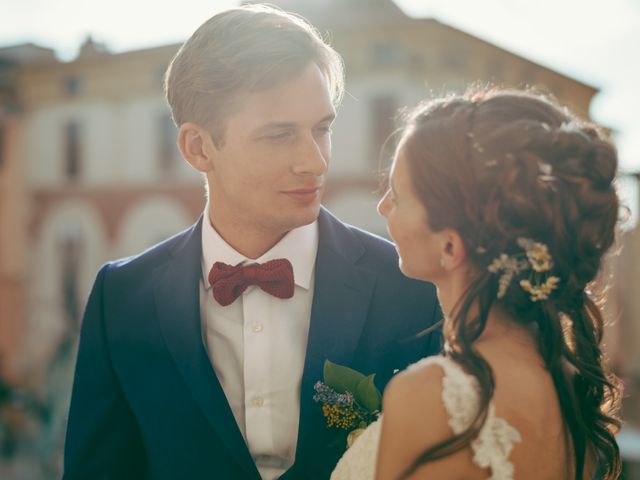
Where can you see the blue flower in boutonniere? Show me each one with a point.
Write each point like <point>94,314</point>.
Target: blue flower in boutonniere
<point>350,400</point>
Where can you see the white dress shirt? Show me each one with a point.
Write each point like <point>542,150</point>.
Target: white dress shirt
<point>257,346</point>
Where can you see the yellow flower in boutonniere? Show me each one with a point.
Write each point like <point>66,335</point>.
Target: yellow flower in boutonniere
<point>341,417</point>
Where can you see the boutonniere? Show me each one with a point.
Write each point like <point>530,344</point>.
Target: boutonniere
<point>350,400</point>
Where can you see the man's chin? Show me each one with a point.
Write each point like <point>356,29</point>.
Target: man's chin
<point>311,215</point>
<point>304,216</point>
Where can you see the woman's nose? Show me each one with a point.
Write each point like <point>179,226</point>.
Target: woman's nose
<point>382,205</point>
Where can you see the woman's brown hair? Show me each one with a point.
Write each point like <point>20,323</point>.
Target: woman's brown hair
<point>501,165</point>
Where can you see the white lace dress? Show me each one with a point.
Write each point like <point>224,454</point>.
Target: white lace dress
<point>460,395</point>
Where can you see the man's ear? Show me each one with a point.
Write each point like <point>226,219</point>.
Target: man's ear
<point>453,251</point>
<point>196,146</point>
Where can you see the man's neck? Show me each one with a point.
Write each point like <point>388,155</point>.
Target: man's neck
<point>247,241</point>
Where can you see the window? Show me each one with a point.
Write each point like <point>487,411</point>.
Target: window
<point>70,245</point>
<point>72,86</point>
<point>386,55</point>
<point>169,154</point>
<point>455,60</point>
<point>72,151</point>
<point>382,114</point>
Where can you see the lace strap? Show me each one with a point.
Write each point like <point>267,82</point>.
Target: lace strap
<point>461,399</point>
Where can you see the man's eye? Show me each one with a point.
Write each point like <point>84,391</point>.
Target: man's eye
<point>280,136</point>
<point>325,130</point>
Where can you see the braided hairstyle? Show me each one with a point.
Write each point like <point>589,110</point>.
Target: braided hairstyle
<point>500,165</point>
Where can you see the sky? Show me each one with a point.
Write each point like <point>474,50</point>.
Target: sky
<point>590,40</point>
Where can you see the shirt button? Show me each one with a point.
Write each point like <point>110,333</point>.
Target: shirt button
<point>256,327</point>
<point>257,401</point>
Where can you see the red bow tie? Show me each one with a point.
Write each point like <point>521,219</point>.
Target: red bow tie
<point>228,282</point>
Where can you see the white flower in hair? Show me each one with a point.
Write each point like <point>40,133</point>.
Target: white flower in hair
<point>537,254</point>
<point>542,291</point>
<point>510,266</point>
<point>546,172</point>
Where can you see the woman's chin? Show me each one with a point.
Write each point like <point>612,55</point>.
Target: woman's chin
<point>406,270</point>
<point>414,273</point>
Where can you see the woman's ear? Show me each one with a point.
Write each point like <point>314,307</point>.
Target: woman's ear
<point>196,146</point>
<point>453,251</point>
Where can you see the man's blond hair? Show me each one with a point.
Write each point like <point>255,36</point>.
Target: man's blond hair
<point>244,49</point>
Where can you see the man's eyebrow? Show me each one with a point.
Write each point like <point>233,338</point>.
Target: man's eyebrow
<point>272,126</point>
<point>329,118</point>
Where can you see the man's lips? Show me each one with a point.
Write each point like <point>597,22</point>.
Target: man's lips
<point>303,191</point>
<point>307,194</point>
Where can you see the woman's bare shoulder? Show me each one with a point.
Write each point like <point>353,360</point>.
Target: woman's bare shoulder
<point>415,418</point>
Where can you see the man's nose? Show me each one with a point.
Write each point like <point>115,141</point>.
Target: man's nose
<point>313,158</point>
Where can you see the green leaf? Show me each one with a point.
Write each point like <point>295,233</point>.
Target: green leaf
<point>367,394</point>
<point>340,378</point>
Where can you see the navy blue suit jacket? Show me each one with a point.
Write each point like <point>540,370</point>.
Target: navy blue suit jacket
<point>146,401</point>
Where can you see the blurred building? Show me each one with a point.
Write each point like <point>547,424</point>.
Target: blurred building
<point>90,171</point>
<point>13,201</point>
<point>393,60</point>
<point>623,338</point>
<point>92,162</point>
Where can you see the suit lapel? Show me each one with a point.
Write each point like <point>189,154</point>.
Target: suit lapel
<point>178,307</point>
<point>341,299</point>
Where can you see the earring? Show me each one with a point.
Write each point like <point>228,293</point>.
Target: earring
<point>442,263</point>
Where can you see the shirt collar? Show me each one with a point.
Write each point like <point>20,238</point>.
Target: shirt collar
<point>299,246</point>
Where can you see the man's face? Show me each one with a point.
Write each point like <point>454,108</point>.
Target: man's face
<point>269,173</point>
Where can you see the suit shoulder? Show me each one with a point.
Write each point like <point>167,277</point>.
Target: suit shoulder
<point>407,293</point>
<point>151,257</point>
<point>382,255</point>
<point>377,248</point>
